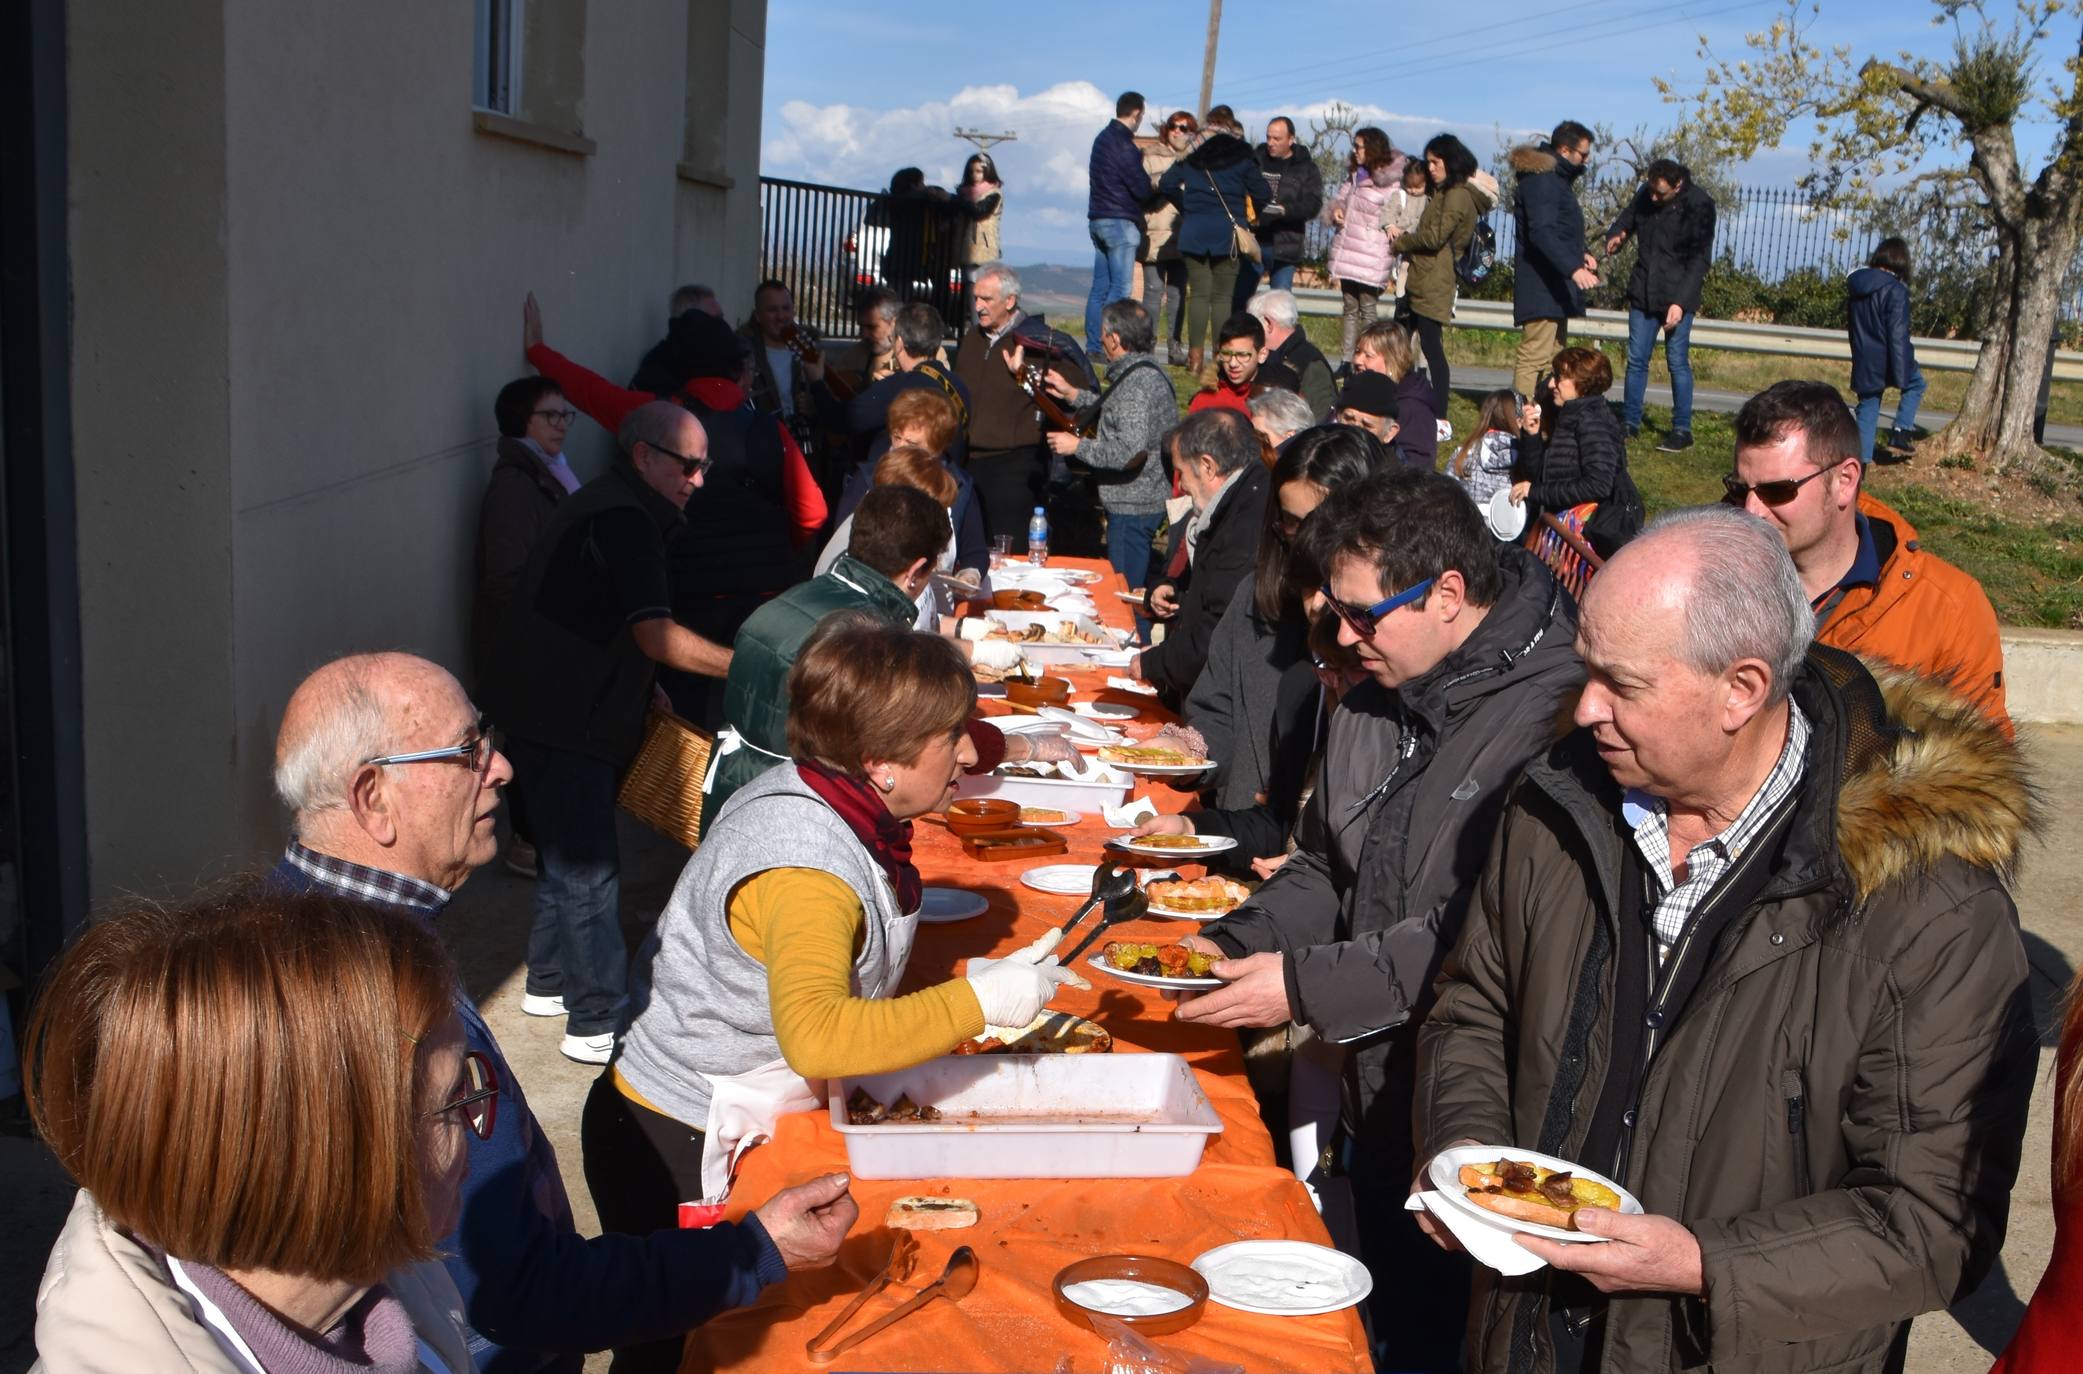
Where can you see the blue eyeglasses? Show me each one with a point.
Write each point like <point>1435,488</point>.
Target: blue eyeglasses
<point>1365,620</point>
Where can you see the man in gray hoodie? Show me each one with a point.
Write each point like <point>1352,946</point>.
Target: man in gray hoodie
<point>1125,454</point>
<point>1468,652</point>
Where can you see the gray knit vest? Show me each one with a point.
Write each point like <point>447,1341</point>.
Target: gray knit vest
<point>700,1000</point>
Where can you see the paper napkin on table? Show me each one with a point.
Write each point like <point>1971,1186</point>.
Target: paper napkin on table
<point>1489,1244</point>
<point>1130,816</point>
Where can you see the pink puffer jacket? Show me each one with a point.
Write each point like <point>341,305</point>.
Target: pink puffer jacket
<point>1360,251</point>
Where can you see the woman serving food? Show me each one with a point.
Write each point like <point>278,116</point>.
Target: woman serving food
<point>775,963</point>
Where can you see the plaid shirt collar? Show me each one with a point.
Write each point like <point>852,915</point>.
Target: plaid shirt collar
<point>1650,818</point>
<point>368,884</point>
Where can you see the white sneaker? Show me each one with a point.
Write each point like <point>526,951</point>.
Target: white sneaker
<point>589,1049</point>
<point>534,1005</point>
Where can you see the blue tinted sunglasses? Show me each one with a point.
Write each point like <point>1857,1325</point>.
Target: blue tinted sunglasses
<point>1365,620</point>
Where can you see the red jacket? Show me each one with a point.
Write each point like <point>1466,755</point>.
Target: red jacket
<point>1223,396</point>
<point>608,405</point>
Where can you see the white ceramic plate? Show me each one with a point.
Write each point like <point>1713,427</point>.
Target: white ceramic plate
<point>1506,520</point>
<point>1151,980</point>
<point>1105,710</point>
<point>1283,1278</point>
<point>1445,1173</point>
<point>945,904</point>
<point>1067,818</point>
<point>1209,844</point>
<point>1061,880</point>
<point>1158,908</point>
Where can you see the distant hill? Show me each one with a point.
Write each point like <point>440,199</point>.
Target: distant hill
<point>1055,291</point>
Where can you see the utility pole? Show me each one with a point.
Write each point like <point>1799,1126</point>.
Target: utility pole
<point>983,141</point>
<point>1208,59</point>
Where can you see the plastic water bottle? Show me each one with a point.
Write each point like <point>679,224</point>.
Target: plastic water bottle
<point>1038,537</point>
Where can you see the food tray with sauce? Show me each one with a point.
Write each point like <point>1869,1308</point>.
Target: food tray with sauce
<point>1034,1116</point>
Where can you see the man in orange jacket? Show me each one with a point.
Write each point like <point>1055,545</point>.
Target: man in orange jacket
<point>1876,592</point>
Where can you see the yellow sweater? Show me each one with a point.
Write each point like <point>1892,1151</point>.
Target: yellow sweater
<point>805,926</point>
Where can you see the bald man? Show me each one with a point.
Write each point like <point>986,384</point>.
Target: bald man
<point>393,785</point>
<point>573,671</point>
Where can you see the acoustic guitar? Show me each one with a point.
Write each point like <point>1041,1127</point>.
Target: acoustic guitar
<point>1032,381</point>
<point>805,347</point>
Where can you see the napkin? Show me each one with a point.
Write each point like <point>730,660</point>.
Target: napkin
<point>1489,1244</point>
<point>1130,816</point>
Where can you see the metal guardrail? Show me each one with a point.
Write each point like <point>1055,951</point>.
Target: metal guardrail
<point>1791,341</point>
<point>830,243</point>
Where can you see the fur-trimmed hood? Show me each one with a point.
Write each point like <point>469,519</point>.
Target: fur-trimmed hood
<point>1219,151</point>
<point>1529,159</point>
<point>1949,784</point>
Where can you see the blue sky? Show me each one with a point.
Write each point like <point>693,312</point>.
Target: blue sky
<point>852,92</point>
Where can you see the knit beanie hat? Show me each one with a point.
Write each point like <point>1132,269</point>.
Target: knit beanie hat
<point>701,345</point>
<point>1370,393</point>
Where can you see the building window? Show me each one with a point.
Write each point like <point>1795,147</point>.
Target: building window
<point>495,74</point>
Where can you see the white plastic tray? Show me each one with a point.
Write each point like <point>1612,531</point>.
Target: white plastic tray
<point>1106,788</point>
<point>1047,654</point>
<point>1035,1116</point>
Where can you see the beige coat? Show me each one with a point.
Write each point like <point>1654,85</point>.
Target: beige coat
<point>108,1305</point>
<point>1161,225</point>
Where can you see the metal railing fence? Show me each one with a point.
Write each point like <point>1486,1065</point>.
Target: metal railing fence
<point>831,243</point>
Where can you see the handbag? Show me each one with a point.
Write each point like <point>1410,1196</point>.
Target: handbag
<point>1243,243</point>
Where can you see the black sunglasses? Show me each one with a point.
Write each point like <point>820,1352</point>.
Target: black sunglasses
<point>1776,493</point>
<point>689,467</point>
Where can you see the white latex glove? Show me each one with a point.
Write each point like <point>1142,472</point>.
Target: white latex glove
<point>974,628</point>
<point>993,653</point>
<point>1052,748</point>
<point>1013,990</point>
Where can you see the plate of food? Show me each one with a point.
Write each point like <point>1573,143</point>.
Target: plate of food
<point>1152,965</point>
<point>1524,1190</point>
<point>1195,899</point>
<point>1174,846</point>
<point>1153,759</point>
<point>1052,1032</point>
<point>942,905</point>
<point>1048,815</point>
<point>1060,880</point>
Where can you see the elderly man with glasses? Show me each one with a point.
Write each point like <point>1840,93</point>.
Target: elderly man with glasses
<point>393,782</point>
<point>573,671</point>
<point>1874,589</point>
<point>1467,651</point>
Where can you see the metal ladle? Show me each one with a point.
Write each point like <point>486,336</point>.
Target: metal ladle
<point>955,1283</point>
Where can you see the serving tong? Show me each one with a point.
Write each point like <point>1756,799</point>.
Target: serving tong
<point>955,1283</point>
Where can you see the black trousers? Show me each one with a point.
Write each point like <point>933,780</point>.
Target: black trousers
<point>640,1166</point>
<point>1432,340</point>
<point>1008,485</point>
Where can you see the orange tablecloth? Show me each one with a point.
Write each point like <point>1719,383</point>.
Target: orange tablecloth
<point>1031,1228</point>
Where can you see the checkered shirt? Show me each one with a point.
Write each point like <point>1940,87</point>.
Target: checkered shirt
<point>1710,859</point>
<point>375,885</point>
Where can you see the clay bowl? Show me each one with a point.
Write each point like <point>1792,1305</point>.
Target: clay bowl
<point>1014,600</point>
<point>1043,691</point>
<point>1145,1269</point>
<point>981,815</point>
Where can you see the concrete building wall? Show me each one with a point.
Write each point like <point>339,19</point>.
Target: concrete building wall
<point>323,277</point>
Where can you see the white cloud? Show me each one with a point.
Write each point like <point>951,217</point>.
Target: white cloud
<point>1044,170</point>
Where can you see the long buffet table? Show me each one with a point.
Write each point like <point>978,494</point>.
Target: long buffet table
<point>1031,1228</point>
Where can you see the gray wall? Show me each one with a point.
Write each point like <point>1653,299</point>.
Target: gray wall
<point>298,270</point>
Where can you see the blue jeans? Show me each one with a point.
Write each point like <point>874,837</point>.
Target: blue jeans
<point>1114,244</point>
<point>1278,276</point>
<point>575,948</point>
<point>1905,415</point>
<point>1129,538</point>
<point>1641,342</point>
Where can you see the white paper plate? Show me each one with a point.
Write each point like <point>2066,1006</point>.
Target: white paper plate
<point>1445,1173</point>
<point>1506,520</point>
<point>1077,577</point>
<point>1110,658</point>
<point>1169,914</point>
<point>1077,725</point>
<point>1134,598</point>
<point>1283,1278</point>
<point>1151,980</point>
<point>945,904</point>
<point>1105,710</point>
<point>1069,818</point>
<point>1061,880</point>
<point>1209,844</point>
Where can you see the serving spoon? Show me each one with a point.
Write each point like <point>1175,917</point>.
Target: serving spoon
<point>955,1283</point>
<point>1110,882</point>
<point>1117,912</point>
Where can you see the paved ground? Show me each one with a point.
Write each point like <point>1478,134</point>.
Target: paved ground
<point>488,927</point>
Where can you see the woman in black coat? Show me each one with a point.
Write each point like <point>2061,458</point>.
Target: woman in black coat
<point>1877,314</point>
<point>1585,458</point>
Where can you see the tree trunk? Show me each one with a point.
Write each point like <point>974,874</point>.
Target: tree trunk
<point>1973,429</point>
<point>2034,298</point>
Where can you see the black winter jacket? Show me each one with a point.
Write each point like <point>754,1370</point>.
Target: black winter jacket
<point>1877,313</point>
<point>1298,189</point>
<point>1549,241</point>
<point>1583,456</point>
<point>1674,243</point>
<point>1222,557</point>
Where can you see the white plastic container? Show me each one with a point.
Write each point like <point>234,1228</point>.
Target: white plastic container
<point>1034,1116</point>
<point>1048,655</point>
<point>1104,788</point>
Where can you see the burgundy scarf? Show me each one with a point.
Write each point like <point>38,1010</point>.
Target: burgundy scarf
<point>885,837</point>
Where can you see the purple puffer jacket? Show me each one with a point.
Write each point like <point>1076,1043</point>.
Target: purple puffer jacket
<point>1360,252</point>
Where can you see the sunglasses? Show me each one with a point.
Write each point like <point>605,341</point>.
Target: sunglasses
<point>1771,493</point>
<point>479,1102</point>
<point>1365,620</point>
<point>689,467</point>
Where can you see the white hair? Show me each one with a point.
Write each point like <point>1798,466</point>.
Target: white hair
<point>1285,411</point>
<point>312,771</point>
<point>1008,280</point>
<point>1744,598</point>
<point>1275,308</point>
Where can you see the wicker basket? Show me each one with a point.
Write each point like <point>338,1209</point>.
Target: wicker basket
<point>663,787</point>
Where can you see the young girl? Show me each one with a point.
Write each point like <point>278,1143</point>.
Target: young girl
<point>982,199</point>
<point>1483,463</point>
<point>1360,258</point>
<point>1400,214</point>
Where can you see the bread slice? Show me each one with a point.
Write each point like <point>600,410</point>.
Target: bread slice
<point>931,1214</point>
